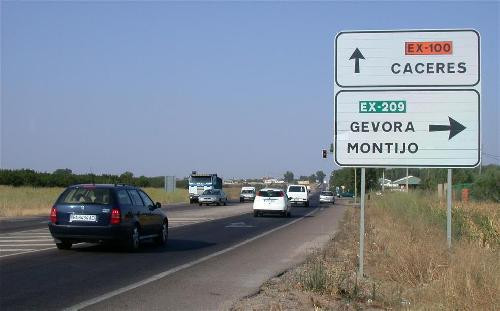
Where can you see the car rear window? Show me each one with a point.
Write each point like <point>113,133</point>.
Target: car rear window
<point>270,193</point>
<point>296,189</point>
<point>329,193</point>
<point>247,191</point>
<point>86,196</point>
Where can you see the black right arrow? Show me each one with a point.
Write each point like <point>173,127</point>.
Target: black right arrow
<point>454,128</point>
<point>356,56</point>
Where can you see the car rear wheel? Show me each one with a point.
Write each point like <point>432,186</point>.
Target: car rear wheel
<point>64,244</point>
<point>162,235</point>
<point>132,243</point>
<point>307,204</point>
<point>225,202</point>
<point>255,214</point>
<point>200,204</point>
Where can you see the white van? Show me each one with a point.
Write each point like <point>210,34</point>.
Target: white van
<point>247,193</point>
<point>298,194</point>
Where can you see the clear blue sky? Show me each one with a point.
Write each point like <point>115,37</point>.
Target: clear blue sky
<point>241,89</point>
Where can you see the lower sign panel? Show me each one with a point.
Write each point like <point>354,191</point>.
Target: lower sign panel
<point>407,128</point>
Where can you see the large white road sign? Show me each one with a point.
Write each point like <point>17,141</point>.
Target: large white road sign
<point>404,58</point>
<point>407,128</point>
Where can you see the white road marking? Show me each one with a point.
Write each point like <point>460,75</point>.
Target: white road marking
<point>23,242</point>
<point>25,236</point>
<point>32,240</point>
<point>38,250</point>
<point>161,275</point>
<point>14,245</point>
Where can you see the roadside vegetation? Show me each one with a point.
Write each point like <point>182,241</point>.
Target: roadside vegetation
<point>407,262</point>
<point>31,201</point>
<point>484,184</point>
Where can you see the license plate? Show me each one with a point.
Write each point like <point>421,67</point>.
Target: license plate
<point>75,217</point>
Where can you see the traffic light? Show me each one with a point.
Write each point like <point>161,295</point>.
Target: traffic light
<point>324,153</point>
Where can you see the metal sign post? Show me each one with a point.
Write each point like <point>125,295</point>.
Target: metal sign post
<point>448,210</point>
<point>362,225</point>
<point>355,186</point>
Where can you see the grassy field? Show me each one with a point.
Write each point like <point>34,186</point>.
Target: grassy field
<point>29,201</point>
<point>407,262</point>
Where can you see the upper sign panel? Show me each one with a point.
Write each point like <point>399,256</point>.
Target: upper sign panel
<point>407,58</point>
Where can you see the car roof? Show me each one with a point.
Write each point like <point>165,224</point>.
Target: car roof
<point>296,186</point>
<point>108,186</point>
<point>273,189</point>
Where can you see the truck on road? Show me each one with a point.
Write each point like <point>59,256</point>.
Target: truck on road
<point>201,182</point>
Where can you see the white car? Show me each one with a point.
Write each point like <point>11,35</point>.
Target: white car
<point>271,200</point>
<point>297,194</point>
<point>326,197</point>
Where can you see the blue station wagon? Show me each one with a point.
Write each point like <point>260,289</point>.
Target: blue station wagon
<point>98,213</point>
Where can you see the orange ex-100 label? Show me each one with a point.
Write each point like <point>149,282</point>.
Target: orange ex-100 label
<point>429,48</point>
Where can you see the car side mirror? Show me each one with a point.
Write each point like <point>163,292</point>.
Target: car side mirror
<point>158,205</point>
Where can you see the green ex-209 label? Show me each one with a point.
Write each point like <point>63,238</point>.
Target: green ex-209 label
<point>382,106</point>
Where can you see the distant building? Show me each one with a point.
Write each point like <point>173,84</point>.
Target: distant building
<point>269,181</point>
<point>303,182</point>
<point>413,182</point>
<point>387,183</point>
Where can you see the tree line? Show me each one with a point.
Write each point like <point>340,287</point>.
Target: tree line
<point>65,177</point>
<point>485,185</point>
<point>319,176</point>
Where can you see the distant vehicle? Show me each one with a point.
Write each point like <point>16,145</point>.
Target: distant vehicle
<point>347,194</point>
<point>297,194</point>
<point>326,197</point>
<point>213,196</point>
<point>97,213</point>
<point>198,183</point>
<point>247,193</point>
<point>272,201</point>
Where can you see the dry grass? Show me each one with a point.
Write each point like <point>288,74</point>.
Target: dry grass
<point>29,201</point>
<point>408,257</point>
<point>407,262</point>
<point>233,193</point>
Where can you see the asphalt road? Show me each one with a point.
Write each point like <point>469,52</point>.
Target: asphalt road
<point>105,278</point>
<point>8,225</point>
